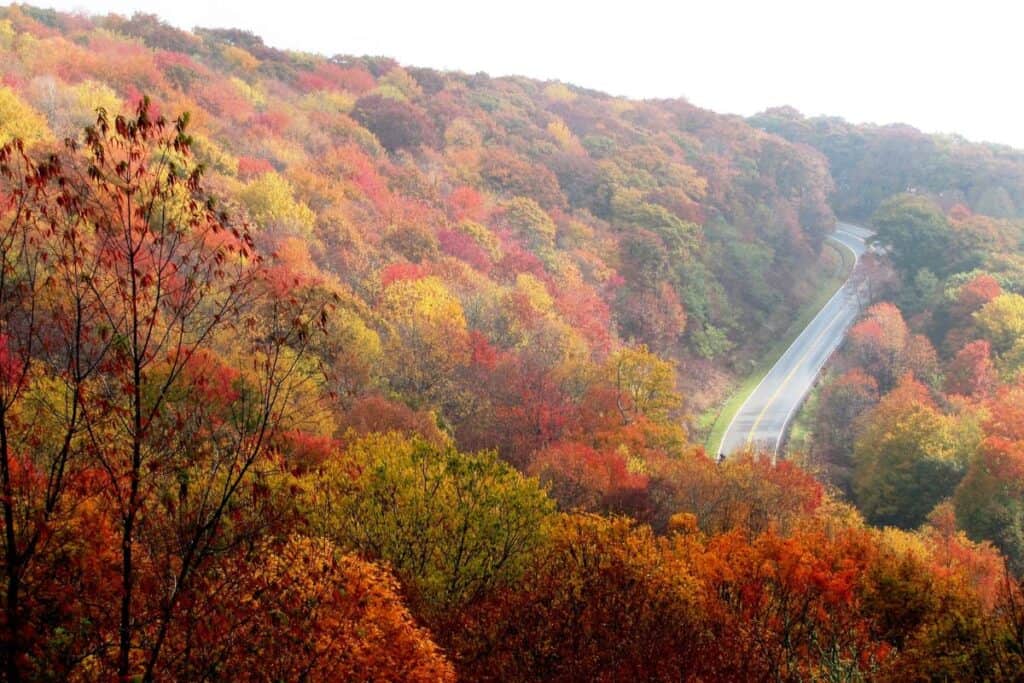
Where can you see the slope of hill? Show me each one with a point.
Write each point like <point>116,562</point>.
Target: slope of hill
<point>872,163</point>
<point>929,377</point>
<point>656,222</point>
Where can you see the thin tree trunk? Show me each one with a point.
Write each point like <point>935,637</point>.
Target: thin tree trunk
<point>12,565</point>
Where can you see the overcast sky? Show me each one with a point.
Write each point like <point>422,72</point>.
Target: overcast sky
<point>940,66</point>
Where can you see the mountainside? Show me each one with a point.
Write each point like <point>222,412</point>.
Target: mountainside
<point>872,163</point>
<point>920,408</point>
<point>336,369</point>
<point>650,221</point>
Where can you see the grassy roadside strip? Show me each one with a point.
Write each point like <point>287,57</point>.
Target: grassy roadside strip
<point>729,408</point>
<point>802,423</point>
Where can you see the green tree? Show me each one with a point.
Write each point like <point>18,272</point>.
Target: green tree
<point>532,223</point>
<point>680,237</point>
<point>909,456</point>
<point>990,500</point>
<point>453,525</point>
<point>916,234</point>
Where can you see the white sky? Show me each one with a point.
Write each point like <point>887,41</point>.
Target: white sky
<point>940,66</point>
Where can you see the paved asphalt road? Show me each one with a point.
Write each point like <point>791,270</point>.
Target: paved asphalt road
<point>762,419</point>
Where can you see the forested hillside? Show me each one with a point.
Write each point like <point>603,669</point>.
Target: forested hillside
<point>872,163</point>
<point>920,409</point>
<point>336,369</point>
<point>923,406</point>
<point>653,222</point>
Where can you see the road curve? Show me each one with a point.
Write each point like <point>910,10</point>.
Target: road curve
<point>762,419</point>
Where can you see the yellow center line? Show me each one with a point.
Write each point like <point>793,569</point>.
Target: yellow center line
<point>785,381</point>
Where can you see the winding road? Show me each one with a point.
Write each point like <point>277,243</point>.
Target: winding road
<point>762,419</point>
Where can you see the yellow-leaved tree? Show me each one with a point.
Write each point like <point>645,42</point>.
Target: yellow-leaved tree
<point>18,120</point>
<point>428,337</point>
<point>271,202</point>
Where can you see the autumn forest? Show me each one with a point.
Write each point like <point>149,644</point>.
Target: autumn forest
<point>332,368</point>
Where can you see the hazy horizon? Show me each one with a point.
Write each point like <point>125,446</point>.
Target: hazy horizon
<point>921,64</point>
